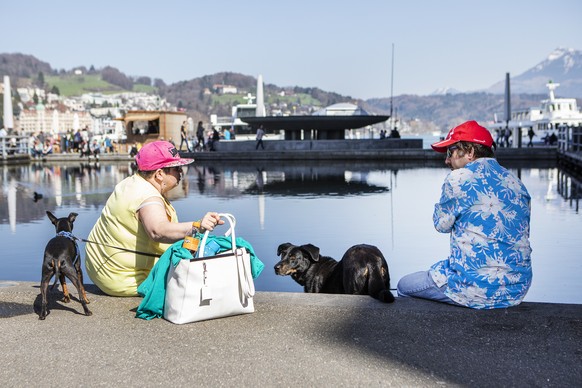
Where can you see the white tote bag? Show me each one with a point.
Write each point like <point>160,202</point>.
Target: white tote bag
<point>210,287</point>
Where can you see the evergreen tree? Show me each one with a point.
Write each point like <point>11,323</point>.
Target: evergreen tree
<point>40,79</point>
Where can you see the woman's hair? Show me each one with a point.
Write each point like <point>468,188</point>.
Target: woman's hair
<point>148,174</point>
<point>479,150</point>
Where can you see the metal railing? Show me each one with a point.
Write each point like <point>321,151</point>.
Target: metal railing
<point>13,145</point>
<point>570,139</point>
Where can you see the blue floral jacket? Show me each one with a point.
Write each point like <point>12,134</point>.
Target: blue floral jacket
<point>486,209</point>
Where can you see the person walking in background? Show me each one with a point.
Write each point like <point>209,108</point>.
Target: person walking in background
<point>260,134</point>
<point>200,136</point>
<point>486,210</point>
<point>506,137</point>
<point>184,137</point>
<point>530,134</point>
<point>77,141</point>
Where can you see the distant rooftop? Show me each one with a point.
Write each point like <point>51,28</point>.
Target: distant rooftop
<point>341,109</point>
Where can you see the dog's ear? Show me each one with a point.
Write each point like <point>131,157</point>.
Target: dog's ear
<point>72,217</point>
<point>283,247</point>
<point>51,217</point>
<point>312,250</point>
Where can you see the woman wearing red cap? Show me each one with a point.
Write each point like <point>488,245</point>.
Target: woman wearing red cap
<point>486,210</point>
<point>139,218</point>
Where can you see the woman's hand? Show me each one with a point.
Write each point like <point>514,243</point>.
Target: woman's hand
<point>210,221</point>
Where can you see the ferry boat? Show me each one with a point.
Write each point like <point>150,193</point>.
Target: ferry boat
<point>552,115</point>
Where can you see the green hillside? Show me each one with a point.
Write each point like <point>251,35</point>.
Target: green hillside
<point>233,99</point>
<point>75,85</point>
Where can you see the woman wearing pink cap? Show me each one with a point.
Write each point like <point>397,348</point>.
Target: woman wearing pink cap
<point>139,218</point>
<point>486,210</point>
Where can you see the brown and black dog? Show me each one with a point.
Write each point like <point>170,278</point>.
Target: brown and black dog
<point>361,271</point>
<point>62,258</point>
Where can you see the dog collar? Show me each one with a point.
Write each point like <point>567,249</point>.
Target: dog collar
<point>67,235</point>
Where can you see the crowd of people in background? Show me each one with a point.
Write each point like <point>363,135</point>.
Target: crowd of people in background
<point>86,145</point>
<point>80,141</point>
<point>504,138</point>
<point>204,140</point>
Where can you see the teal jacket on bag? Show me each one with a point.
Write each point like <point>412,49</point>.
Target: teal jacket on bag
<point>153,288</point>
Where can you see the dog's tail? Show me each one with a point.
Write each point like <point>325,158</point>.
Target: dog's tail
<point>379,283</point>
<point>385,296</point>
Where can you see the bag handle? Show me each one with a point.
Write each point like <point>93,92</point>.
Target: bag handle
<point>230,232</point>
<point>244,270</point>
<point>245,276</point>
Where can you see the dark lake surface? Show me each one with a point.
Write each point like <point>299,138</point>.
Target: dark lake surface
<point>332,205</point>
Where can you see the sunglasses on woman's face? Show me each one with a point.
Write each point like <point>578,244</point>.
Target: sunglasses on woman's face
<point>171,170</point>
<point>450,151</point>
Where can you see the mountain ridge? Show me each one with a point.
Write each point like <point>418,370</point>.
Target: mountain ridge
<point>440,110</point>
<point>563,66</point>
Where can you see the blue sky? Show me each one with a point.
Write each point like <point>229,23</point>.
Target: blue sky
<point>340,46</point>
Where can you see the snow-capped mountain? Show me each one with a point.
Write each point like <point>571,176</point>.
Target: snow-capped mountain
<point>444,91</point>
<point>563,66</point>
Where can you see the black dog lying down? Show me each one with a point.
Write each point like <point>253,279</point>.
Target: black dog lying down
<point>61,258</point>
<point>361,271</point>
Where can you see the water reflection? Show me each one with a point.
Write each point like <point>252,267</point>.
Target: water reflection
<point>331,204</point>
<point>569,187</point>
<point>66,185</point>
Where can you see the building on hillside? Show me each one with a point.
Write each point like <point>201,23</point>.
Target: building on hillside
<point>225,89</point>
<point>100,99</point>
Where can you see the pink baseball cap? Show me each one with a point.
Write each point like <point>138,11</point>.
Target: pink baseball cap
<point>159,154</point>
<point>468,131</point>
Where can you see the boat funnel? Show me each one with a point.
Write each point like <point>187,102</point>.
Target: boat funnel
<point>260,98</point>
<point>552,86</point>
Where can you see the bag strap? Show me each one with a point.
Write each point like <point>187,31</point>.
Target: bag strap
<point>244,275</point>
<point>230,232</point>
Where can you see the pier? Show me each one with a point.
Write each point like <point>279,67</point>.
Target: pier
<point>292,339</point>
<point>408,150</point>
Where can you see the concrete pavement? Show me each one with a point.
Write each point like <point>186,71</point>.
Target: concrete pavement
<point>291,340</point>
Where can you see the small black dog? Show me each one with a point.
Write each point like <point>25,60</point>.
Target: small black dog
<point>361,271</point>
<point>62,258</point>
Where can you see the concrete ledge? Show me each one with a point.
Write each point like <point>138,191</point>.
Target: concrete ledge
<point>291,340</point>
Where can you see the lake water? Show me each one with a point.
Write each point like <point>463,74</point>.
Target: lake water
<point>329,204</point>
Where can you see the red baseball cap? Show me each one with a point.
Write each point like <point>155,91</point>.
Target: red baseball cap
<point>469,131</point>
<point>159,154</point>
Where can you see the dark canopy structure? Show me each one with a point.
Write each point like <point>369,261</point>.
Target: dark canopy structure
<point>314,127</point>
